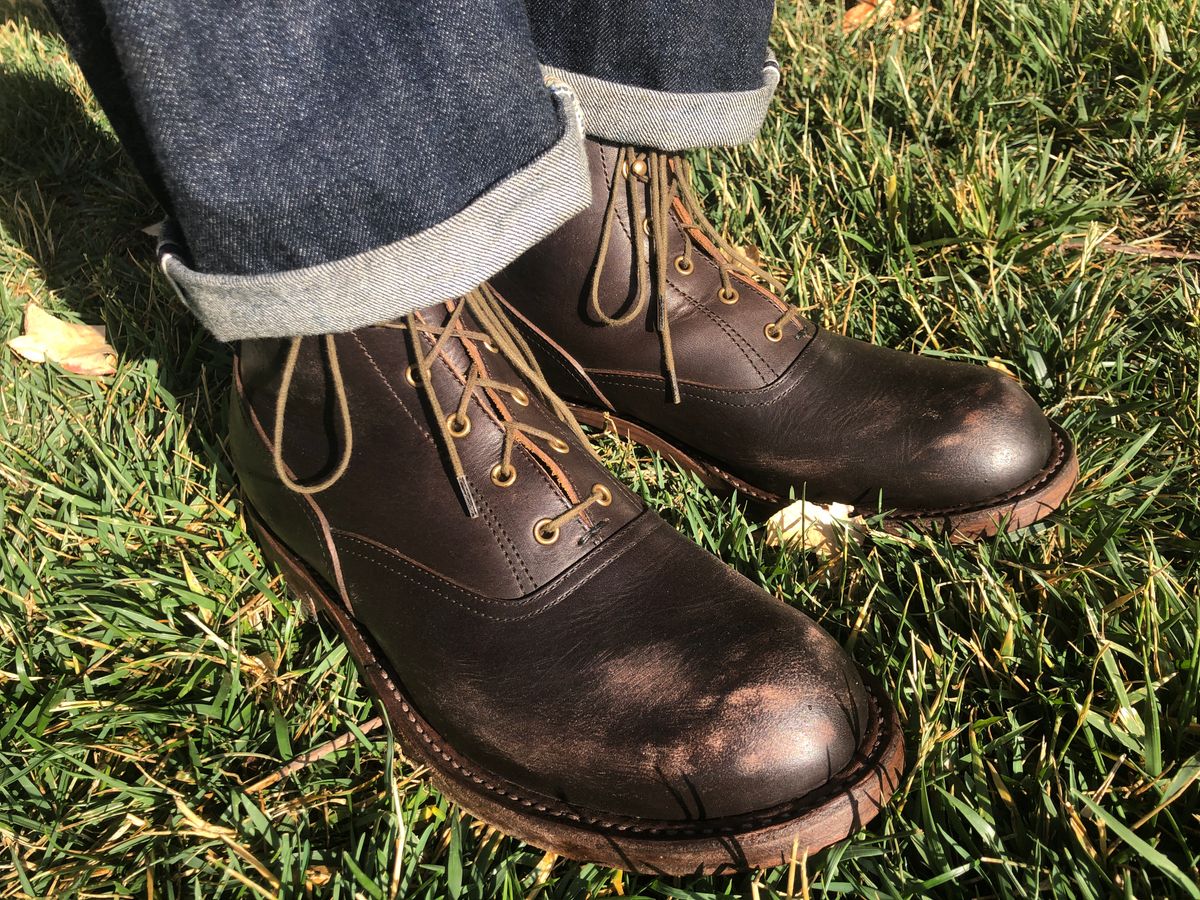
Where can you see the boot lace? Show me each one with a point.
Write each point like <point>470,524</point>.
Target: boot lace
<point>497,335</point>
<point>669,178</point>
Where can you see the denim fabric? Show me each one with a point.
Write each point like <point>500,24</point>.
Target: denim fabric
<point>675,46</point>
<point>329,165</point>
<point>443,261</point>
<point>667,120</point>
<point>290,134</point>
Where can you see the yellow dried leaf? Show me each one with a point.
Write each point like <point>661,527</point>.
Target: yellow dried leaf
<point>81,349</point>
<point>996,363</point>
<point>865,13</point>
<point>813,527</point>
<point>911,22</point>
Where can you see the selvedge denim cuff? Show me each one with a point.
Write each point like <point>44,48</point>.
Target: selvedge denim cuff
<point>665,120</point>
<point>440,263</point>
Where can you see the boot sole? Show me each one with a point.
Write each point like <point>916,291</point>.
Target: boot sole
<point>769,837</point>
<point>1012,511</point>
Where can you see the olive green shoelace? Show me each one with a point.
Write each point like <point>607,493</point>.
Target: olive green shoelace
<point>497,335</point>
<point>668,178</point>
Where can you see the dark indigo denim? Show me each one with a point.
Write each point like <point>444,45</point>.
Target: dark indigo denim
<point>681,46</point>
<point>284,134</point>
<point>293,133</point>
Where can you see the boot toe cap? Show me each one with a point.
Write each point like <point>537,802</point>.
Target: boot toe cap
<point>773,740</point>
<point>749,706</point>
<point>996,439</point>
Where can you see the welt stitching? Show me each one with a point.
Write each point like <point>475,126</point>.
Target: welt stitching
<point>797,807</point>
<point>1052,467</point>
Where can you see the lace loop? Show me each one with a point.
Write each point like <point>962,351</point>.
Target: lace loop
<point>343,402</point>
<point>546,531</point>
<point>668,178</point>
<point>498,335</point>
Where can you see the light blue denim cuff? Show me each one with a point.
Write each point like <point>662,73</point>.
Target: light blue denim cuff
<point>440,263</point>
<point>665,120</point>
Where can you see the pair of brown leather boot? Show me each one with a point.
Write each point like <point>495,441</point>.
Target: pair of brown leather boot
<point>568,666</point>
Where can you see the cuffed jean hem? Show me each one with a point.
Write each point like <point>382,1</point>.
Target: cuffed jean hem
<point>667,120</point>
<point>440,263</point>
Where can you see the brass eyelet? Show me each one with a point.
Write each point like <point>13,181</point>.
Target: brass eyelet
<point>558,445</point>
<point>458,429</point>
<point>773,332</point>
<point>488,345</point>
<point>602,494</point>
<point>684,266</point>
<point>544,532</point>
<point>640,168</point>
<point>520,397</point>
<point>410,375</point>
<point>729,296</point>
<point>646,227</point>
<point>504,476</point>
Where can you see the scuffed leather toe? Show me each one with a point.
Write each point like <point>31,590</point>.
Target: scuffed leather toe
<point>722,701</point>
<point>1000,441</point>
<point>901,431</point>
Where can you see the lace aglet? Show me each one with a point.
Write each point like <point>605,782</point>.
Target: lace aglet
<point>468,497</point>
<point>673,386</point>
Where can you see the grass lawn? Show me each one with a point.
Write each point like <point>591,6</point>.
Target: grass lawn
<point>1013,181</point>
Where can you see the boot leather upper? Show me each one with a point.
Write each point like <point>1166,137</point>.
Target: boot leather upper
<point>621,669</point>
<point>828,416</point>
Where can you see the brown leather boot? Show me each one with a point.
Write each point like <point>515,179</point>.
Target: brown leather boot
<point>645,318</point>
<point>568,666</point>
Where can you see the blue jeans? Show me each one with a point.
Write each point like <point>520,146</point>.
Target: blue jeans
<point>331,165</point>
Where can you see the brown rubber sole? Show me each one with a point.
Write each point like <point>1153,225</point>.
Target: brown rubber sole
<point>766,838</point>
<point>1018,508</point>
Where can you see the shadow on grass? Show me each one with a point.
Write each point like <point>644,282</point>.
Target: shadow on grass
<point>72,201</point>
<point>73,210</point>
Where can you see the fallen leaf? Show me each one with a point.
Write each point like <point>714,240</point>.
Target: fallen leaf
<point>81,349</point>
<point>996,363</point>
<point>870,12</point>
<point>814,527</point>
<point>865,13</point>
<point>911,22</point>
<point>753,254</point>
